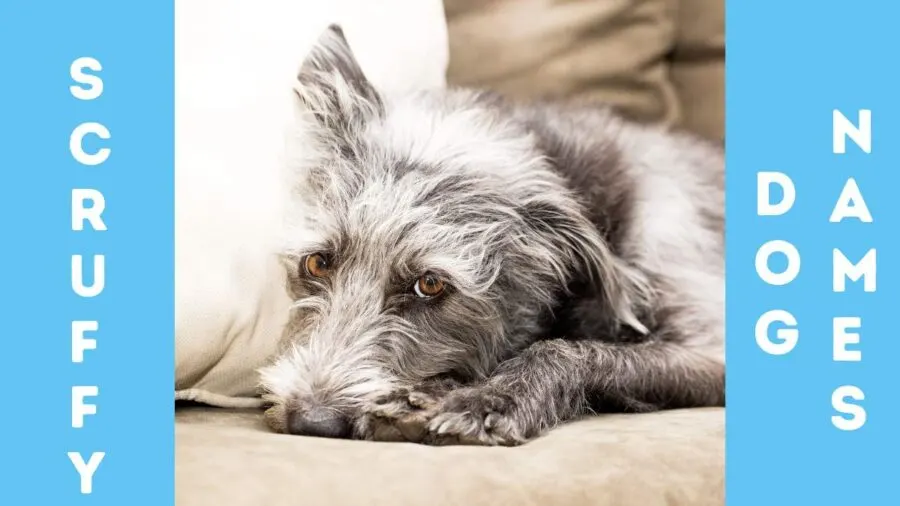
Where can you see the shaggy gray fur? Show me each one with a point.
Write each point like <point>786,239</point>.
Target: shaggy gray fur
<point>582,257</point>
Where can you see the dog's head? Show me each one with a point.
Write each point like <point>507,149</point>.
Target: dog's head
<point>429,236</point>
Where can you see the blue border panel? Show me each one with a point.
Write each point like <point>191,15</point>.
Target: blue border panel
<point>132,363</point>
<point>790,65</point>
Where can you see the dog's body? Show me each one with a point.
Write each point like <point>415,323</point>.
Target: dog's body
<point>468,270</point>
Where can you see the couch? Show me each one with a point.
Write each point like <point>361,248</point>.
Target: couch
<point>656,61</point>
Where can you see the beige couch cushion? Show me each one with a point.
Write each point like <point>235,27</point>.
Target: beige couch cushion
<point>612,51</point>
<point>698,66</point>
<point>673,458</point>
<point>654,60</point>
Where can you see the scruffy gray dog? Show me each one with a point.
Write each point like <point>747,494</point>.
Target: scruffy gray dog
<point>470,271</point>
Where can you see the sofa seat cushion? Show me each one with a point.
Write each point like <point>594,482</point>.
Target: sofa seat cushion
<point>668,458</point>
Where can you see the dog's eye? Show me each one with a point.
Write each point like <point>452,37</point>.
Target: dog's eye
<point>316,265</point>
<point>428,286</point>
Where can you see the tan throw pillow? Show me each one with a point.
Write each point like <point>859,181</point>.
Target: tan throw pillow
<point>612,51</point>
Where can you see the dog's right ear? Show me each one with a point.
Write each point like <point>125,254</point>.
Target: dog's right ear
<point>331,84</point>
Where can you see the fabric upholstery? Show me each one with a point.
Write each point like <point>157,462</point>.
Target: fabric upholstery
<point>670,458</point>
<point>654,60</point>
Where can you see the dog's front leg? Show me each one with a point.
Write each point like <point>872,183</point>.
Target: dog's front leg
<point>557,380</point>
<point>403,414</point>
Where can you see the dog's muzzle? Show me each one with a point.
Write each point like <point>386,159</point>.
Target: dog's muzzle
<point>319,422</point>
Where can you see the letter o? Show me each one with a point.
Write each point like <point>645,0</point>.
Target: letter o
<point>762,262</point>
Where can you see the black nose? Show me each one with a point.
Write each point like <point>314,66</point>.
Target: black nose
<point>319,422</point>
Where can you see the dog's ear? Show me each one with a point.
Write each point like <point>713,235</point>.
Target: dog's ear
<point>331,84</point>
<point>581,256</point>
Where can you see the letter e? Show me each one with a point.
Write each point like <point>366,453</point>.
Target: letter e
<point>842,338</point>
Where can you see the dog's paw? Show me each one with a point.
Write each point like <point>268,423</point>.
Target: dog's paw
<point>275,414</point>
<point>402,415</point>
<point>476,416</point>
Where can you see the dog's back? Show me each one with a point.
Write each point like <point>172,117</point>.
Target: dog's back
<point>657,197</point>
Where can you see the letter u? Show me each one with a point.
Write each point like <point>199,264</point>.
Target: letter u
<point>78,276</point>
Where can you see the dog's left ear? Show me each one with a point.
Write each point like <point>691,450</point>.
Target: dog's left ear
<point>331,84</point>
<point>573,240</point>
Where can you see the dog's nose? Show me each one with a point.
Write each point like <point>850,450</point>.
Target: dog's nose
<point>319,422</point>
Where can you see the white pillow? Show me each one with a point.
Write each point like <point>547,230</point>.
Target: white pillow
<point>234,64</point>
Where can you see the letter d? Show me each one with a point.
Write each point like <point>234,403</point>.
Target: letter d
<point>764,182</point>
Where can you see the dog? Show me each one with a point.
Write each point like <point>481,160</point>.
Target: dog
<point>468,269</point>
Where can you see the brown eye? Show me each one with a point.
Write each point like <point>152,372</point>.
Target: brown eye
<point>428,286</point>
<point>316,265</point>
